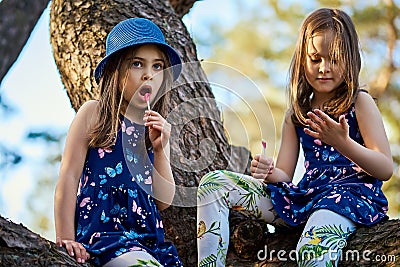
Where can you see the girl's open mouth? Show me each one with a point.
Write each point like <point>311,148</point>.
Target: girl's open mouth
<point>145,92</point>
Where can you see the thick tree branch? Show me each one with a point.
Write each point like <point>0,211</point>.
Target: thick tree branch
<point>250,239</point>
<point>182,7</point>
<point>21,247</point>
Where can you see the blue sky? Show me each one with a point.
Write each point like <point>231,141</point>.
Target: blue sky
<point>34,90</point>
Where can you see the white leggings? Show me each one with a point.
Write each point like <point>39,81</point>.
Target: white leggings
<point>320,244</point>
<point>133,258</point>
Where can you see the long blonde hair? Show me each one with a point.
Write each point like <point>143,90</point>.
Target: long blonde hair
<point>111,86</point>
<point>344,49</point>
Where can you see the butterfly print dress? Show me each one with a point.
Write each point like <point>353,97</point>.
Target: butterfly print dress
<point>332,182</point>
<point>115,210</point>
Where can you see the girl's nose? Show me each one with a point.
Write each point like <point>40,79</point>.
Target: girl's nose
<point>146,77</point>
<point>325,66</point>
<point>147,74</point>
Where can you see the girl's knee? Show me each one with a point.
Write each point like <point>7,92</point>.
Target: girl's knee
<point>211,177</point>
<point>209,182</point>
<point>213,184</point>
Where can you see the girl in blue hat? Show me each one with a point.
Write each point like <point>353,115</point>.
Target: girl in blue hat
<point>346,150</point>
<point>115,174</point>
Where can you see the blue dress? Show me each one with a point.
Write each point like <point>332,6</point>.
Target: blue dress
<point>332,182</point>
<point>115,210</point>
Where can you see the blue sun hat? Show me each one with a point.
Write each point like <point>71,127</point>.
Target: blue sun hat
<point>136,31</point>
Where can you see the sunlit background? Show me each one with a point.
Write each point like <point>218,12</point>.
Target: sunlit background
<point>256,38</point>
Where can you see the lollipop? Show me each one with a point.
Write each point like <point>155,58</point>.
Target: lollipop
<point>147,97</point>
<point>264,145</point>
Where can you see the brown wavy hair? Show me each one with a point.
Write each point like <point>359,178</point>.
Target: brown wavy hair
<point>110,107</point>
<point>345,49</point>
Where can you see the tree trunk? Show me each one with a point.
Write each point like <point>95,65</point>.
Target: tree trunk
<point>17,19</point>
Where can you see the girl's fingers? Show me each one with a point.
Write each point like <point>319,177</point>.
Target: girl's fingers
<point>59,242</point>
<point>263,166</point>
<point>261,171</point>
<point>253,163</point>
<point>259,175</point>
<point>78,247</point>
<point>319,116</point>
<point>311,133</point>
<point>70,249</point>
<point>80,252</point>
<point>317,120</point>
<point>258,165</point>
<point>315,126</point>
<point>160,125</point>
<point>343,121</point>
<point>75,249</point>
<point>160,128</point>
<point>323,116</point>
<point>263,159</point>
<point>152,115</point>
<point>152,121</point>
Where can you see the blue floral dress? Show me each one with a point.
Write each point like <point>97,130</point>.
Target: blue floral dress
<point>332,182</point>
<point>115,210</point>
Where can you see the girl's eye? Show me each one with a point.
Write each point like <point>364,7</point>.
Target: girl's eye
<point>315,60</point>
<point>136,64</point>
<point>158,66</point>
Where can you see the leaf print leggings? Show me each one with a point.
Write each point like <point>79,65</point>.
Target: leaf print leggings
<point>134,259</point>
<point>320,244</point>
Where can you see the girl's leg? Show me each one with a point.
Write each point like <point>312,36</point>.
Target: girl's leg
<point>218,192</point>
<point>133,258</point>
<point>323,238</point>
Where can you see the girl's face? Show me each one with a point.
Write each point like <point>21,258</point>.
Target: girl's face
<point>323,76</point>
<point>145,75</point>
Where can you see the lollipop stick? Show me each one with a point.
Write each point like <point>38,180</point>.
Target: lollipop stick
<point>147,97</point>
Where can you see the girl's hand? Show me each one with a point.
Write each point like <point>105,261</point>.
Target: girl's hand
<point>261,166</point>
<point>74,249</point>
<point>159,129</point>
<point>326,129</point>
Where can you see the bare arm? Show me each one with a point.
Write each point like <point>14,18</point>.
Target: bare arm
<point>163,180</point>
<point>375,157</point>
<point>72,162</point>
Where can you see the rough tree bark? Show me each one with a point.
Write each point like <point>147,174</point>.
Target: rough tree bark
<point>78,32</point>
<point>21,247</point>
<point>182,7</point>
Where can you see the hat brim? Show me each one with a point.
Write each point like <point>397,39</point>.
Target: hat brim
<point>175,60</point>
